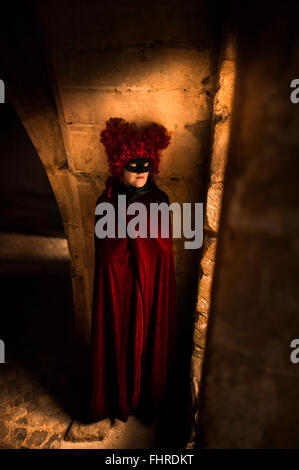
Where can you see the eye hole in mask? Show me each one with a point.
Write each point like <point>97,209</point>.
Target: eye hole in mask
<point>138,165</point>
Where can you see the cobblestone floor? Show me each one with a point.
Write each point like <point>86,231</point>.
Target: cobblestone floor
<point>40,380</point>
<point>43,381</point>
<point>30,417</point>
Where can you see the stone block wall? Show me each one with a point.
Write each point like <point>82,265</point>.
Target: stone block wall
<point>249,385</point>
<point>222,113</point>
<point>144,63</point>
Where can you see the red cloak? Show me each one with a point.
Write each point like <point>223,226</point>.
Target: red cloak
<point>133,340</point>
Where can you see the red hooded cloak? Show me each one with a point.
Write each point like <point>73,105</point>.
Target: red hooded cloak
<point>134,317</point>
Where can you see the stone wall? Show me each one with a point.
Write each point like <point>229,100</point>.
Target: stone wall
<point>144,63</point>
<point>222,112</point>
<point>249,395</point>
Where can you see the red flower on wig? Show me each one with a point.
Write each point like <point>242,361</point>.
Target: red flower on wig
<point>123,140</point>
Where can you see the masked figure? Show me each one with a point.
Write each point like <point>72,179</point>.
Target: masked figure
<point>133,341</point>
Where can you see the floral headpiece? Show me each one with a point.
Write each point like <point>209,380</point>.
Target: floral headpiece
<point>123,140</point>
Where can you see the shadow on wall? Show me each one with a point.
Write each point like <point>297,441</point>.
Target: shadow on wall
<point>27,202</point>
<point>37,320</point>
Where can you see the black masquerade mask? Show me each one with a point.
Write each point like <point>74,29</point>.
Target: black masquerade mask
<point>138,165</point>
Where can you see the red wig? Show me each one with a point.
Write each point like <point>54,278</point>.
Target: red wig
<point>123,140</point>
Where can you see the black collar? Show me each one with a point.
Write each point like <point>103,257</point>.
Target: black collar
<point>132,192</point>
